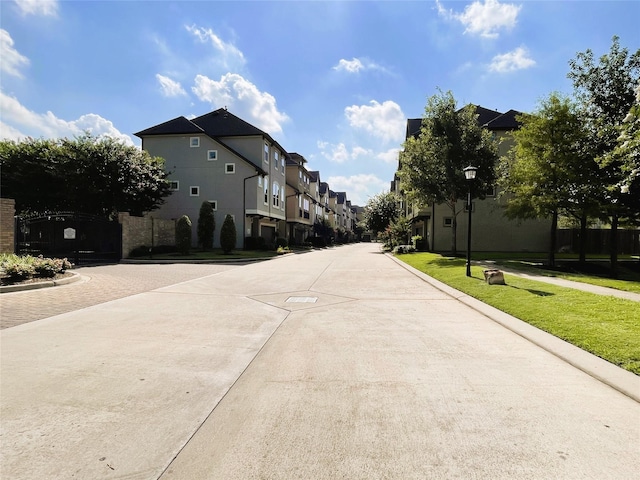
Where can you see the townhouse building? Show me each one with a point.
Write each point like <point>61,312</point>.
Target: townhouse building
<point>492,231</point>
<point>241,171</point>
<point>221,159</point>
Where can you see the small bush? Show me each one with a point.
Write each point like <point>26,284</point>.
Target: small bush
<point>281,243</point>
<point>206,226</point>
<point>23,268</point>
<point>228,235</point>
<point>183,235</point>
<point>404,249</point>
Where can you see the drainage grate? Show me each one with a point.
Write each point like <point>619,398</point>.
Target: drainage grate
<point>302,299</point>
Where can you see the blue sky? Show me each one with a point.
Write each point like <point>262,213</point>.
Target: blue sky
<point>333,81</point>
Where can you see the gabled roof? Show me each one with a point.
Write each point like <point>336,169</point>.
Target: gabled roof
<point>324,186</point>
<point>314,176</point>
<point>342,197</point>
<point>177,126</point>
<point>506,121</point>
<point>485,115</point>
<point>413,127</point>
<point>332,194</point>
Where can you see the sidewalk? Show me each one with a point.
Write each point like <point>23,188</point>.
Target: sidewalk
<point>586,287</point>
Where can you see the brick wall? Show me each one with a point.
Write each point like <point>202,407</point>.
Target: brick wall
<point>7,225</point>
<point>137,231</point>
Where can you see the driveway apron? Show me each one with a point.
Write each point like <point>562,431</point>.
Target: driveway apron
<point>330,364</point>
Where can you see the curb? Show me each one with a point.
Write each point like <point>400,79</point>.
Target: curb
<point>617,378</point>
<point>44,284</point>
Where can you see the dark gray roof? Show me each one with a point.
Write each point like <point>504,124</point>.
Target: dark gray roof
<point>314,176</point>
<point>177,126</point>
<point>485,115</point>
<point>342,197</point>
<point>324,186</point>
<point>506,121</point>
<point>413,127</point>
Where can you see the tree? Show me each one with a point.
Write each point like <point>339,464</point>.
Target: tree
<point>605,92</point>
<point>431,165</point>
<point>228,234</point>
<point>547,172</point>
<point>206,226</point>
<point>100,176</point>
<point>380,211</point>
<point>183,235</point>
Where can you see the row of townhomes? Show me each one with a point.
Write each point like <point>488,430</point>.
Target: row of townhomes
<point>492,231</point>
<point>243,172</point>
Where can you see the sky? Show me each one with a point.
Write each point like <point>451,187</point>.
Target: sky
<point>333,81</point>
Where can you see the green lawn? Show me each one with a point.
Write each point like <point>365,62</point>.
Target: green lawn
<point>608,327</point>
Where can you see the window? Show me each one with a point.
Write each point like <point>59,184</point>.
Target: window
<point>214,204</point>
<point>282,197</point>
<point>276,194</point>
<point>275,158</point>
<point>212,155</point>
<point>194,142</point>
<point>282,165</point>
<point>266,190</point>
<point>266,153</point>
<point>306,208</point>
<point>229,168</point>
<point>174,185</point>
<point>447,222</point>
<point>260,181</point>
<point>194,191</point>
<point>473,207</point>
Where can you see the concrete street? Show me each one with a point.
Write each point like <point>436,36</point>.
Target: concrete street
<point>338,363</point>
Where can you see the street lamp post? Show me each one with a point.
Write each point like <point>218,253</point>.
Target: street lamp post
<point>470,175</point>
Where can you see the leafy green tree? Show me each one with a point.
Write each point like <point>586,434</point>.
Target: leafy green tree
<point>431,165</point>
<point>206,226</point>
<point>100,176</point>
<point>183,235</point>
<point>548,172</point>
<point>605,92</point>
<point>228,234</point>
<point>380,211</point>
<point>399,231</point>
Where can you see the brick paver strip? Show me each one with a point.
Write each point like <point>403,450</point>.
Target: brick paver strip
<point>100,284</point>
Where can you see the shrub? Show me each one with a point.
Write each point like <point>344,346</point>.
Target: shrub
<point>183,235</point>
<point>404,249</point>
<point>228,234</point>
<point>22,268</point>
<point>281,243</point>
<point>206,226</point>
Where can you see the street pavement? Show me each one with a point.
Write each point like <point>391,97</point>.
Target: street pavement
<point>339,363</point>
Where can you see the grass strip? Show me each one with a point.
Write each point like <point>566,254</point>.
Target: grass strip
<point>608,327</point>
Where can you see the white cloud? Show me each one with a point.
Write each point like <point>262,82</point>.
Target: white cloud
<point>390,156</point>
<point>17,120</point>
<point>340,153</point>
<point>518,59</point>
<point>170,88</point>
<point>382,120</point>
<point>484,19</point>
<point>38,7</point>
<point>231,55</point>
<point>359,187</point>
<point>351,66</point>
<point>12,60</point>
<point>356,65</point>
<point>234,91</point>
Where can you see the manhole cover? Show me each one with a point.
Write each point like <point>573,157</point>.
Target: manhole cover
<point>302,299</point>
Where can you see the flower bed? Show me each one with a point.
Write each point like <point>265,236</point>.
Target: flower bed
<point>21,269</point>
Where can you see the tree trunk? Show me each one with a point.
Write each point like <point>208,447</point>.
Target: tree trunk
<point>552,239</point>
<point>614,245</point>
<point>454,230</point>
<point>583,239</point>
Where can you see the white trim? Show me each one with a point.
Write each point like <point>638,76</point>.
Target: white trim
<point>194,142</point>
<point>177,183</point>
<point>191,194</point>
<point>226,168</point>
<point>214,204</point>
<point>215,155</point>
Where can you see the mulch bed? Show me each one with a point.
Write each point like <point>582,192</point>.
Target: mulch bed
<point>8,281</point>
